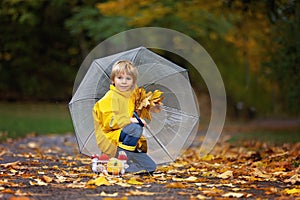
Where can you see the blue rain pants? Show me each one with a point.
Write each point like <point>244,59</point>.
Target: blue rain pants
<point>137,161</point>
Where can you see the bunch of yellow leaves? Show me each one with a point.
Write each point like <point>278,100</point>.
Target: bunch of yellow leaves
<point>147,101</point>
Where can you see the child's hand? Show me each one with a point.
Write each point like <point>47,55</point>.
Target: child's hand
<point>134,120</point>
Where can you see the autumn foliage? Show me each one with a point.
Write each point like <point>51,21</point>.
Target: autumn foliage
<point>42,167</point>
<point>147,102</point>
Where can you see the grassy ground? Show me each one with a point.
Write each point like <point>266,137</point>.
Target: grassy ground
<point>20,119</point>
<point>273,137</point>
<point>274,131</point>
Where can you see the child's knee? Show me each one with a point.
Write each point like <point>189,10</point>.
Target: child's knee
<point>134,130</point>
<point>138,131</point>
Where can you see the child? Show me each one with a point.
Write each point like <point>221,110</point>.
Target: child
<point>115,127</point>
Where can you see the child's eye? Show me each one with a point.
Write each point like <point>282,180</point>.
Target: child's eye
<point>128,78</point>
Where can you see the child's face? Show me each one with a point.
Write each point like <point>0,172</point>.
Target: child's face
<point>123,82</point>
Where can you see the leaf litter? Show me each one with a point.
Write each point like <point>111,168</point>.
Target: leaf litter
<point>50,166</point>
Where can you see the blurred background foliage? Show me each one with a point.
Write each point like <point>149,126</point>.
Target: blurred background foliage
<point>255,44</point>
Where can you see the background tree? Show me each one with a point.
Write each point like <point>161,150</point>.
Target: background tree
<point>237,34</point>
<point>38,56</point>
<point>253,42</point>
<point>284,56</point>
<point>229,32</point>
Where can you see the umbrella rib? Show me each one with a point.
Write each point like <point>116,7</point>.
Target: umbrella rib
<point>148,84</point>
<point>86,99</point>
<point>86,141</point>
<point>175,110</point>
<point>160,144</point>
<point>99,66</point>
<point>137,53</point>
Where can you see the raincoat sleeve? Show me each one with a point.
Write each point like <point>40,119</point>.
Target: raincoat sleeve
<point>112,114</point>
<point>115,113</point>
<point>104,144</point>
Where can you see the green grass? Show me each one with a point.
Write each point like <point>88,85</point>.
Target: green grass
<point>20,119</point>
<point>273,137</point>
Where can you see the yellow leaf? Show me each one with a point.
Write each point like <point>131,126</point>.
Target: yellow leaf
<point>207,157</point>
<point>192,169</point>
<point>189,179</point>
<point>146,101</point>
<point>226,175</point>
<point>140,193</point>
<point>91,182</point>
<point>135,181</point>
<point>13,171</point>
<point>156,94</point>
<point>292,191</point>
<point>279,169</point>
<point>199,196</point>
<point>101,181</point>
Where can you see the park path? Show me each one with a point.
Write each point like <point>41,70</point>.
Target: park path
<point>50,167</point>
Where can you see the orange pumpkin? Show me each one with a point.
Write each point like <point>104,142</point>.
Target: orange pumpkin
<point>114,166</point>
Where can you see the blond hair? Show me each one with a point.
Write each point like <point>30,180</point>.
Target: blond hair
<point>124,66</point>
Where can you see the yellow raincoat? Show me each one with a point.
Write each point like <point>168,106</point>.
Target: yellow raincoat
<point>111,114</point>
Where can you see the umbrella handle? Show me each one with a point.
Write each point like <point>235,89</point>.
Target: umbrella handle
<point>139,119</point>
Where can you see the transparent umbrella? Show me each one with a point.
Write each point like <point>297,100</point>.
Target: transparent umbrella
<point>169,132</point>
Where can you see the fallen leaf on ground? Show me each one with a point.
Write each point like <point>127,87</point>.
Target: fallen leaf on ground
<point>233,194</point>
<point>292,191</point>
<point>139,193</point>
<point>10,164</point>
<point>135,181</point>
<point>98,181</point>
<point>19,198</point>
<point>38,182</point>
<point>103,194</point>
<point>207,157</point>
<point>226,175</point>
<point>47,179</point>
<point>293,180</point>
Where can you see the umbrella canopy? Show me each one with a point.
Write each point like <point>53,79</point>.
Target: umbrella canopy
<point>169,132</point>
